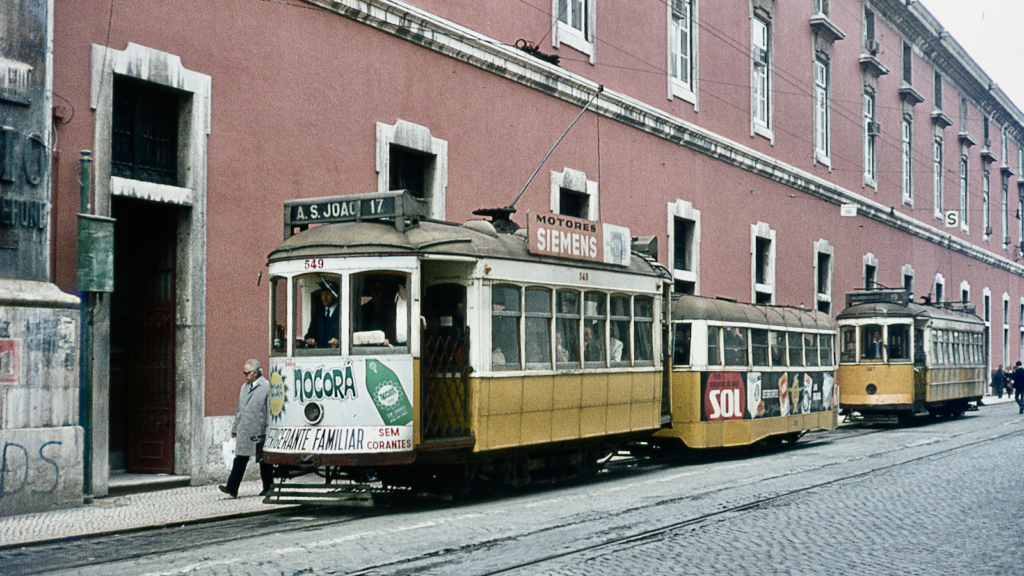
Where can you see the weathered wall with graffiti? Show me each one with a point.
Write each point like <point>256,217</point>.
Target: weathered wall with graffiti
<point>40,440</point>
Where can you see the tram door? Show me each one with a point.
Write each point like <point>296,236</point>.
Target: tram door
<point>142,410</point>
<point>445,363</point>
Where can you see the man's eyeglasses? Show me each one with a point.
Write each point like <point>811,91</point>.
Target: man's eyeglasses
<point>247,373</point>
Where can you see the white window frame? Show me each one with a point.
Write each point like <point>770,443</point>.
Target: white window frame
<point>684,210</point>
<point>965,286</point>
<point>937,198</point>
<point>577,182</point>
<point>907,159</point>
<point>418,138</point>
<point>761,77</point>
<point>870,143</point>
<point>869,260</point>
<point>939,281</point>
<point>763,231</point>
<point>823,247</point>
<point>822,120</point>
<point>682,18</point>
<point>821,7</point>
<point>905,272</point>
<point>1003,148</point>
<point>1005,209</point>
<point>564,32</point>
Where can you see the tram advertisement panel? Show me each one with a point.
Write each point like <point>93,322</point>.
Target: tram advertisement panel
<point>748,395</point>
<point>341,406</point>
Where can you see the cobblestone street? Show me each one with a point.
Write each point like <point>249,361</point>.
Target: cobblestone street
<point>939,498</point>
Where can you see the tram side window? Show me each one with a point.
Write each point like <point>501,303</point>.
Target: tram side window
<point>796,353</point>
<point>595,310</point>
<point>278,316</point>
<point>380,309</point>
<point>643,323</point>
<point>538,329</point>
<point>825,349</point>
<point>848,338</point>
<point>567,328</point>
<point>681,348</point>
<point>317,311</point>
<point>714,358</point>
<point>735,340</point>
<point>919,353</point>
<point>777,344</point>
<point>871,342</point>
<point>759,347</point>
<point>620,344</point>
<point>810,350</point>
<point>899,342</point>
<point>505,314</point>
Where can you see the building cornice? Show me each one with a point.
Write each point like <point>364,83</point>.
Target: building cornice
<point>435,33</point>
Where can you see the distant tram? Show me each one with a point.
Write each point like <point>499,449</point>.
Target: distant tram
<point>431,355</point>
<point>743,373</point>
<point>899,359</point>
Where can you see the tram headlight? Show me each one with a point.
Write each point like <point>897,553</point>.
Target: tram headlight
<point>871,389</point>
<point>313,412</point>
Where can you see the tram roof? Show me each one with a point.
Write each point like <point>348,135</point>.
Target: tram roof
<point>476,238</point>
<point>716,309</point>
<point>910,310</point>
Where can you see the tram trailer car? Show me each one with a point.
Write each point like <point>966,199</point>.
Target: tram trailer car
<point>745,373</point>
<point>431,355</point>
<point>899,359</point>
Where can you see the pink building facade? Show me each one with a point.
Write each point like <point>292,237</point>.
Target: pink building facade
<point>784,152</point>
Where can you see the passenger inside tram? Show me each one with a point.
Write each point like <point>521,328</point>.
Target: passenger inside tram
<point>872,348</point>
<point>323,323</point>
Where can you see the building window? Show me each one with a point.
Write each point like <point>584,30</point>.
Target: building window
<point>908,64</point>
<point>573,195</point>
<point>938,90</point>
<point>908,280</point>
<point>762,246</point>
<point>408,157</point>
<point>821,7</point>
<point>940,288</point>
<point>760,79</point>
<point>937,176</point>
<point>823,254</point>
<point>144,144</point>
<point>870,272</point>
<point>1006,211</point>
<point>986,219</point>
<point>965,292</point>
<point>574,25</point>
<point>821,111</point>
<point>684,247</point>
<point>871,132</point>
<point>1003,147</point>
<point>907,161</point>
<point>963,193</point>
<point>681,48</point>
<point>985,135</point>
<point>963,114</point>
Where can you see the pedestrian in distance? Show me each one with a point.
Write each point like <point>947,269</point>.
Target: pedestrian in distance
<point>998,379</point>
<point>250,429</point>
<point>1018,386</point>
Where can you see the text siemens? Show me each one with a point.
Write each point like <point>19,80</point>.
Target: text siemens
<point>571,243</point>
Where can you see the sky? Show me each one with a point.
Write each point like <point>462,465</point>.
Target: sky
<point>991,32</point>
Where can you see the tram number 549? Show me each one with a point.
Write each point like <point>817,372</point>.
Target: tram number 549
<point>584,277</point>
<point>314,264</point>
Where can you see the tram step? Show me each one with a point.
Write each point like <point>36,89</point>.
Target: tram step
<point>321,494</point>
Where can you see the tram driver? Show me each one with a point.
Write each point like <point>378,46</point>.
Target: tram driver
<point>873,349</point>
<point>323,325</point>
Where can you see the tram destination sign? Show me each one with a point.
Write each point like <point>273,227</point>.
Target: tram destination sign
<point>877,296</point>
<point>397,205</point>
<point>578,239</point>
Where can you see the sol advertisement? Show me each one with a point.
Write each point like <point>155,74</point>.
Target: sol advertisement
<point>749,395</point>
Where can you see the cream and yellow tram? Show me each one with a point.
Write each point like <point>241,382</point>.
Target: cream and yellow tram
<point>742,373</point>
<point>426,354</point>
<point>899,359</point>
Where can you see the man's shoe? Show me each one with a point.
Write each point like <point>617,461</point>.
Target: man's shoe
<point>264,493</point>
<point>225,490</point>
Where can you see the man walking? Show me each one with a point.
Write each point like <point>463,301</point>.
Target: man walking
<point>250,429</point>
<point>1018,386</point>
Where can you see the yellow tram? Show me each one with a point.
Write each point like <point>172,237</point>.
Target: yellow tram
<point>742,373</point>
<point>899,359</point>
<point>425,354</point>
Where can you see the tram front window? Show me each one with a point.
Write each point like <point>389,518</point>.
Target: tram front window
<point>899,342</point>
<point>871,346</point>
<point>848,352</point>
<point>317,311</point>
<point>380,309</point>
